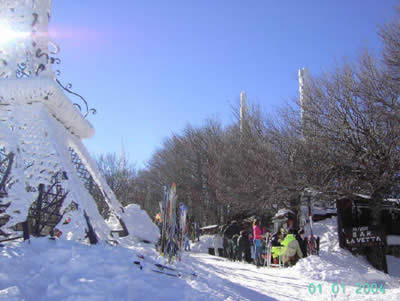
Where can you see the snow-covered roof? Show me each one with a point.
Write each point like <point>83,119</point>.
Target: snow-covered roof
<point>311,191</point>
<point>323,211</point>
<point>283,212</point>
<point>367,197</point>
<point>363,196</point>
<point>396,201</point>
<point>316,210</point>
<point>209,227</point>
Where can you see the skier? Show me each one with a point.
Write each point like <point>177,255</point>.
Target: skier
<point>276,248</point>
<point>302,241</point>
<point>217,244</point>
<point>231,230</point>
<point>267,248</point>
<point>243,244</point>
<point>292,251</point>
<point>247,247</point>
<point>225,246</point>
<point>225,242</point>
<point>257,242</point>
<point>187,242</point>
<point>197,231</point>
<point>251,243</point>
<point>264,230</point>
<point>192,233</point>
<point>235,247</point>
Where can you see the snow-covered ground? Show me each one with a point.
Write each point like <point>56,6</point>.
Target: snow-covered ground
<point>67,270</point>
<point>206,242</point>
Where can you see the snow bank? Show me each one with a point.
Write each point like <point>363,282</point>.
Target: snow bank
<point>206,241</point>
<point>393,264</point>
<point>67,270</point>
<point>393,240</point>
<point>139,223</point>
<point>335,264</point>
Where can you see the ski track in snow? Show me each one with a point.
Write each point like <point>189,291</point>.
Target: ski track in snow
<point>67,270</point>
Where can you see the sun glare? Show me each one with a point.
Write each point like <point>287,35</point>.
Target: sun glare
<point>7,34</point>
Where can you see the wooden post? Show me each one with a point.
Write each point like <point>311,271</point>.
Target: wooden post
<point>6,174</point>
<point>25,229</point>
<point>38,211</point>
<point>339,223</point>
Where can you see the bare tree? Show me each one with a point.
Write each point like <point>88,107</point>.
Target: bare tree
<point>344,113</point>
<point>120,176</point>
<point>390,36</point>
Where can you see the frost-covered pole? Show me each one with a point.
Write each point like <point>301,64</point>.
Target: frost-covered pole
<point>243,109</point>
<point>304,76</point>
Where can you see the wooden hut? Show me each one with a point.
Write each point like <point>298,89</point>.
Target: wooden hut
<point>357,234</point>
<point>284,219</point>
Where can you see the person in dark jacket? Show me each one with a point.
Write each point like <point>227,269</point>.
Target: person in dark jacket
<point>224,242</point>
<point>235,247</point>
<point>292,252</point>
<point>302,241</point>
<point>243,245</point>
<point>197,231</point>
<point>276,239</point>
<point>231,230</point>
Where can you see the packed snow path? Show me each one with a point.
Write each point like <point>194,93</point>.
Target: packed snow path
<point>62,270</point>
<point>242,281</point>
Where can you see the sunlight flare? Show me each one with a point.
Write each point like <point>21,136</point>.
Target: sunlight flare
<point>7,34</point>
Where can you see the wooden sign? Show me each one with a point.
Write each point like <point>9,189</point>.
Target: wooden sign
<point>367,236</point>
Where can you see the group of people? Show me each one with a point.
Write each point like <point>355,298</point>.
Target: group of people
<point>290,247</point>
<point>259,246</point>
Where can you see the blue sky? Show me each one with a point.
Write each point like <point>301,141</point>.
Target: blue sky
<point>152,67</point>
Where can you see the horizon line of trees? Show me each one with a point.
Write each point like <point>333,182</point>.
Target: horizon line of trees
<point>347,141</point>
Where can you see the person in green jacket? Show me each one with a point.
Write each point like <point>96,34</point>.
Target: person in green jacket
<point>292,251</point>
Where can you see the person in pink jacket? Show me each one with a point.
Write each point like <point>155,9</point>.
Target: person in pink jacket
<point>258,237</point>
